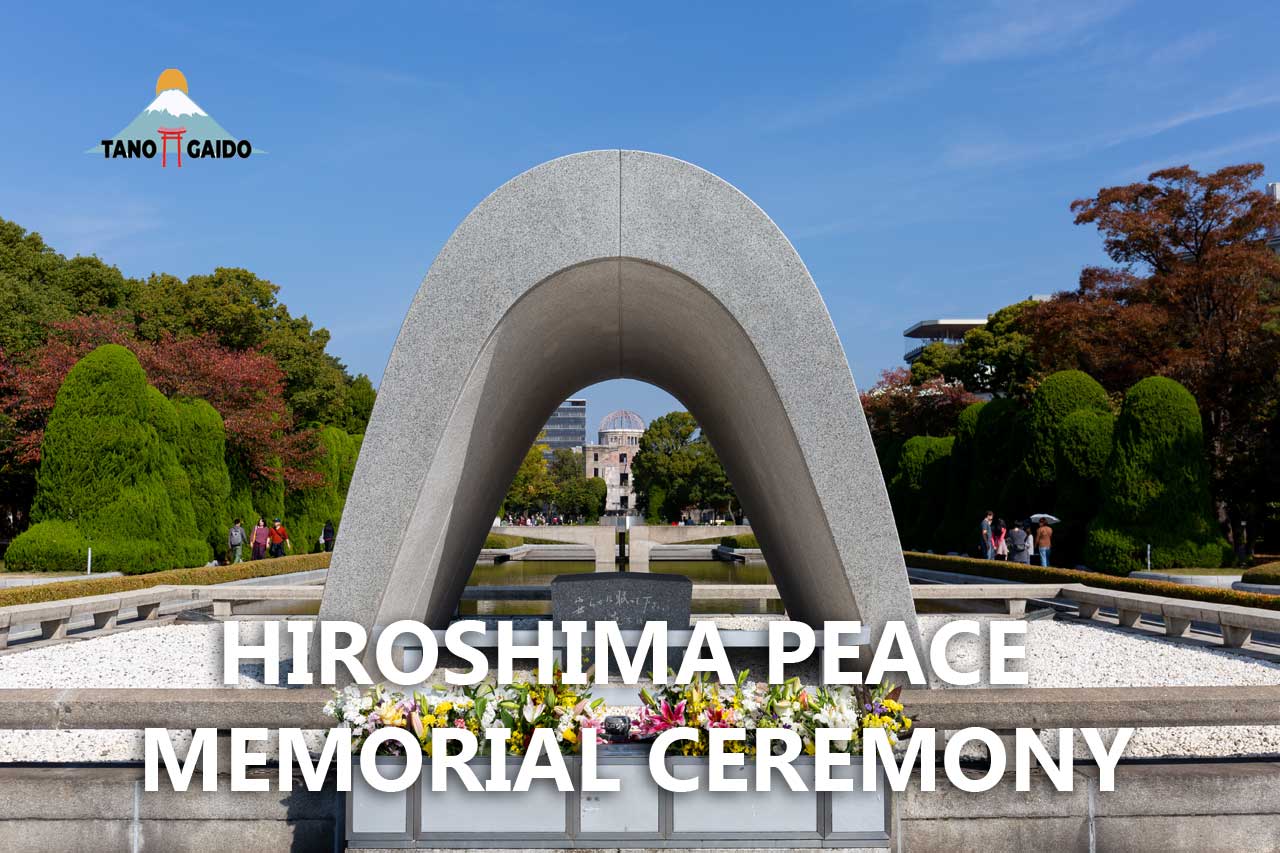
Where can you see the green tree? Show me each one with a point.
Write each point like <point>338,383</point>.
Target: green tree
<point>315,383</point>
<point>360,398</point>
<point>1084,447</point>
<point>307,510</point>
<point>676,466</point>
<point>918,490</point>
<point>565,465</point>
<point>532,487</point>
<point>1033,482</point>
<point>997,357</point>
<point>241,311</point>
<point>233,305</point>
<point>964,506</point>
<point>109,468</point>
<point>581,496</point>
<point>202,452</point>
<point>1156,487</point>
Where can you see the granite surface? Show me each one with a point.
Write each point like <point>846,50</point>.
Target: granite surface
<point>713,305</point>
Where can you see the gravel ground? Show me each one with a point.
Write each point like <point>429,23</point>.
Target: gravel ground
<point>1059,654</point>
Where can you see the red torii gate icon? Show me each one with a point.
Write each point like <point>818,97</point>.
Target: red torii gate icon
<point>166,134</point>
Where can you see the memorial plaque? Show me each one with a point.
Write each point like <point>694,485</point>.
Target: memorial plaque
<point>630,599</point>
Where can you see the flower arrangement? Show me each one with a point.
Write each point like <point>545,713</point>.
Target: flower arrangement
<point>704,704</point>
<point>521,707</point>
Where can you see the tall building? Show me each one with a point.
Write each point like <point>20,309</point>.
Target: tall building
<point>567,426</point>
<point>610,459</point>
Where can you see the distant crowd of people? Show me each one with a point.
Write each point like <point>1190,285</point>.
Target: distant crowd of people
<point>1017,544</point>
<point>267,540</point>
<point>539,519</point>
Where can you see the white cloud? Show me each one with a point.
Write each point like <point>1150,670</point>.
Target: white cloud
<point>1012,28</point>
<point>986,152</point>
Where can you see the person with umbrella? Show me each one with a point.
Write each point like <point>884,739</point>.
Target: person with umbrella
<point>1044,536</point>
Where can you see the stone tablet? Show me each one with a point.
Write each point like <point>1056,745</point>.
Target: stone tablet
<point>629,598</point>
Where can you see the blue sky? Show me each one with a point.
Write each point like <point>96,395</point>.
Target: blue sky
<point>921,156</point>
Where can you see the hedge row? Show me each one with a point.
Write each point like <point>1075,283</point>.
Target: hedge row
<point>179,577</point>
<point>497,540</point>
<point>1035,574</point>
<point>746,540</point>
<point>1265,573</point>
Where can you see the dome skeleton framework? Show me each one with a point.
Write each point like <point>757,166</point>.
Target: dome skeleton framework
<point>622,420</point>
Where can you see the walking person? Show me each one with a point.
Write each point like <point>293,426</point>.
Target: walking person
<point>1019,545</point>
<point>1000,547</point>
<point>988,544</point>
<point>259,540</point>
<point>235,541</point>
<point>327,536</point>
<point>1044,541</point>
<point>278,535</point>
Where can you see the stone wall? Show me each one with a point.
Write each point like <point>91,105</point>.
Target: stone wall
<point>1168,806</point>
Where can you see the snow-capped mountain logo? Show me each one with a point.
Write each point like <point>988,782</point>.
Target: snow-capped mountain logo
<point>172,125</point>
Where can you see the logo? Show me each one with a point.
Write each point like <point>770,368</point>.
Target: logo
<point>172,125</point>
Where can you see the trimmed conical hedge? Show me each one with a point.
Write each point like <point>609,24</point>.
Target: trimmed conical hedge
<point>959,528</point>
<point>1057,397</point>
<point>109,469</point>
<point>1084,448</point>
<point>202,451</point>
<point>307,510</point>
<point>1156,486</point>
<point>918,489</point>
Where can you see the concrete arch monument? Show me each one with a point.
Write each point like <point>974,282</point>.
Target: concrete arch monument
<point>596,266</point>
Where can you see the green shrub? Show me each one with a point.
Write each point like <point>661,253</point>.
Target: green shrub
<point>202,451</point>
<point>50,546</point>
<point>1036,574</point>
<point>266,494</point>
<point>109,465</point>
<point>1156,487</point>
<point>306,510</point>
<point>240,503</point>
<point>918,489</point>
<point>1084,446</point>
<point>964,508</point>
<point>1268,573</point>
<point>743,540</point>
<point>995,435</point>
<point>1058,396</point>
<point>178,577</point>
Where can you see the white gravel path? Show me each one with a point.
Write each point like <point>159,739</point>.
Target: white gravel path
<point>1059,654</point>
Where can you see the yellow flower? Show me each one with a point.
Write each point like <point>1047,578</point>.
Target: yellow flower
<point>571,736</point>
<point>430,721</point>
<point>906,722</point>
<point>444,708</point>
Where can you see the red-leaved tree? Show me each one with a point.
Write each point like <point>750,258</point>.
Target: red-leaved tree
<point>897,410</point>
<point>1191,296</point>
<point>246,387</point>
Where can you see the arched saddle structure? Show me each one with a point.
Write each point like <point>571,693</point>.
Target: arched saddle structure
<point>596,266</point>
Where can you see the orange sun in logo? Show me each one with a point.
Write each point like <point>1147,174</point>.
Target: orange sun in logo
<point>171,78</point>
